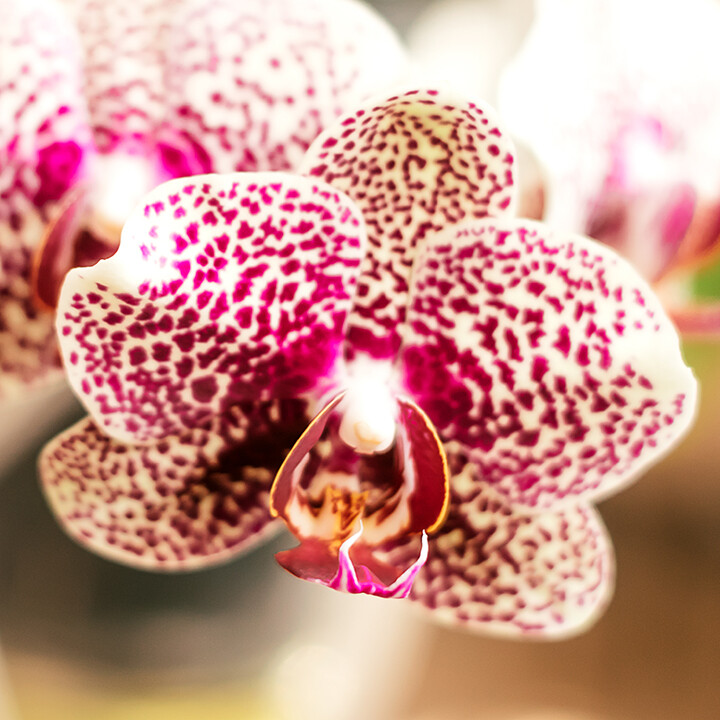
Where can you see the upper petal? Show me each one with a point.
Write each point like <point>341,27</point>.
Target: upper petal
<point>252,83</point>
<point>124,50</point>
<point>189,501</point>
<point>413,163</point>
<point>224,288</point>
<point>489,569</point>
<point>547,357</point>
<point>125,60</point>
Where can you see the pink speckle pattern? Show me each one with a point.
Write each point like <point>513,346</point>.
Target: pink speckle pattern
<point>44,139</point>
<point>195,87</point>
<point>500,572</point>
<point>252,83</point>
<point>188,501</point>
<point>225,288</point>
<point>125,60</point>
<point>413,163</point>
<point>141,91</point>
<point>546,358</point>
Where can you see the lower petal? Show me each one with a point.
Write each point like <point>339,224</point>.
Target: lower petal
<point>493,571</point>
<point>365,579</point>
<point>188,501</point>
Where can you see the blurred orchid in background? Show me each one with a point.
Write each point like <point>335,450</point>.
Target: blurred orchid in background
<point>466,44</point>
<point>618,99</point>
<point>102,101</point>
<point>471,382</point>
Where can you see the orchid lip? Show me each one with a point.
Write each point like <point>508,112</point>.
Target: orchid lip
<point>347,503</point>
<point>348,579</point>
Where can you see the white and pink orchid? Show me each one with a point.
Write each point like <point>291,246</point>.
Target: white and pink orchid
<point>470,383</point>
<point>618,99</point>
<point>102,101</point>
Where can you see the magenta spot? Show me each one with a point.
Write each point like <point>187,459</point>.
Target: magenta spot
<point>204,389</point>
<point>138,355</point>
<point>58,168</point>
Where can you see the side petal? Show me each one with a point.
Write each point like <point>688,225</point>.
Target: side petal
<point>413,163</point>
<point>189,501</point>
<point>252,83</point>
<point>44,147</point>
<point>224,288</point>
<point>546,356</point>
<point>548,575</point>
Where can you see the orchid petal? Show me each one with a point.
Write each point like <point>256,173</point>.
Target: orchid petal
<point>348,580</point>
<point>356,567</point>
<point>547,575</point>
<point>188,501</point>
<point>547,357</point>
<point>625,116</point>
<point>648,229</point>
<point>44,141</point>
<point>224,288</point>
<point>413,163</point>
<point>125,64</point>
<point>701,243</point>
<point>251,84</point>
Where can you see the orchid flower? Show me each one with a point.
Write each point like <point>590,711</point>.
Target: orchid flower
<point>618,100</point>
<point>102,101</point>
<point>470,383</point>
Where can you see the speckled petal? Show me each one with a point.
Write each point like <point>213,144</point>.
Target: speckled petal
<point>547,357</point>
<point>252,83</point>
<point>125,56</point>
<point>224,288</point>
<point>188,501</point>
<point>413,163</point>
<point>546,576</point>
<point>126,66</point>
<point>44,141</point>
